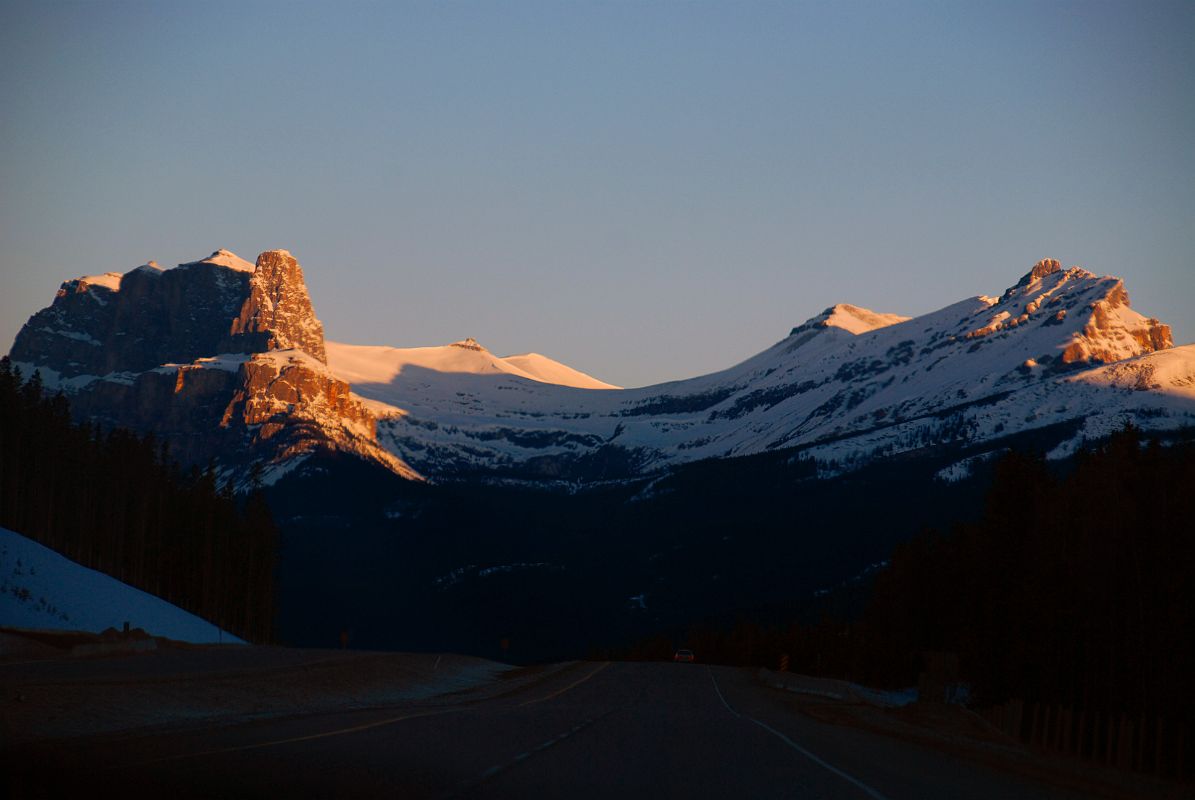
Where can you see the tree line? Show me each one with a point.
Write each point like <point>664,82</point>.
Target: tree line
<point>117,503</point>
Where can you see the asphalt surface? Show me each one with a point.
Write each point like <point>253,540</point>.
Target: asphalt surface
<point>592,730</point>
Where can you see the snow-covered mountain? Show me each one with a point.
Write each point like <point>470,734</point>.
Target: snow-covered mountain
<point>227,360</point>
<point>845,387</point>
<point>221,358</point>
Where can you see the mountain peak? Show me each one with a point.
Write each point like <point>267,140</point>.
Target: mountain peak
<point>468,344</point>
<point>1047,266</point>
<point>149,268</point>
<point>229,259</point>
<point>853,319</point>
<point>1043,268</point>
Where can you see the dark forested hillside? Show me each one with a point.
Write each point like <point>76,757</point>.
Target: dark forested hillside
<point>1067,606</point>
<point>1075,589</point>
<point>115,502</point>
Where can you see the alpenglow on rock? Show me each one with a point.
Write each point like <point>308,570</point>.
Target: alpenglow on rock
<point>98,325</point>
<point>222,359</point>
<point>278,313</point>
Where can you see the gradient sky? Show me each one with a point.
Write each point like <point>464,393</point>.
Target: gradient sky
<point>645,191</point>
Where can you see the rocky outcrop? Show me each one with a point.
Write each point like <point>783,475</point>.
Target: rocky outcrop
<point>278,315</point>
<point>222,359</point>
<point>1114,331</point>
<point>468,344</point>
<point>1042,269</point>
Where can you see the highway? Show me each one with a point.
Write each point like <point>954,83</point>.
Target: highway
<point>591,730</point>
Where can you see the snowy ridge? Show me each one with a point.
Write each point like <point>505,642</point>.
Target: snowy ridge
<point>220,258</point>
<point>852,319</point>
<point>847,386</point>
<point>227,258</point>
<point>365,364</point>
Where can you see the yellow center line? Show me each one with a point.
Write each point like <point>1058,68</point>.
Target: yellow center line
<point>572,685</point>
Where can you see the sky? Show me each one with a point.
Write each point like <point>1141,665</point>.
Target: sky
<point>645,191</point>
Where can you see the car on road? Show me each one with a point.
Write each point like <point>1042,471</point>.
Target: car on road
<point>684,657</point>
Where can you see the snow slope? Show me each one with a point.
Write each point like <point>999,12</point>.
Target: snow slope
<point>364,364</point>
<point>42,590</point>
<point>546,370</point>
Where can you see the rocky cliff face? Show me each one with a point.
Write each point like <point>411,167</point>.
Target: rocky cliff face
<point>221,358</point>
<point>104,324</point>
<point>278,315</point>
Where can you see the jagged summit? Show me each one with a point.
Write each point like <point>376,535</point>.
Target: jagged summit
<point>1041,271</point>
<point>1047,266</point>
<point>278,314</point>
<point>1102,326</point>
<point>469,344</point>
<point>222,358</point>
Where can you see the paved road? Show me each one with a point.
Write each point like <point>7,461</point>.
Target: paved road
<point>589,731</point>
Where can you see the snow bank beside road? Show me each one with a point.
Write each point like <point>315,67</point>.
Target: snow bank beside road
<point>42,590</point>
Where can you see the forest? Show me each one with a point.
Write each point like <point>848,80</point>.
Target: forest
<point>116,502</point>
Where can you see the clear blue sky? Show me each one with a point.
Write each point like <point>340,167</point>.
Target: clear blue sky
<point>645,191</point>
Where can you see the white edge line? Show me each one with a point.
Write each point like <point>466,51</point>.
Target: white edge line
<point>849,778</point>
<point>870,792</point>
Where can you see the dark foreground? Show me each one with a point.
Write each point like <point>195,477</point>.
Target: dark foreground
<point>596,730</point>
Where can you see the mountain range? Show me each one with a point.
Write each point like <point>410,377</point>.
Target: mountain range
<point>227,362</point>
<point>449,498</point>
